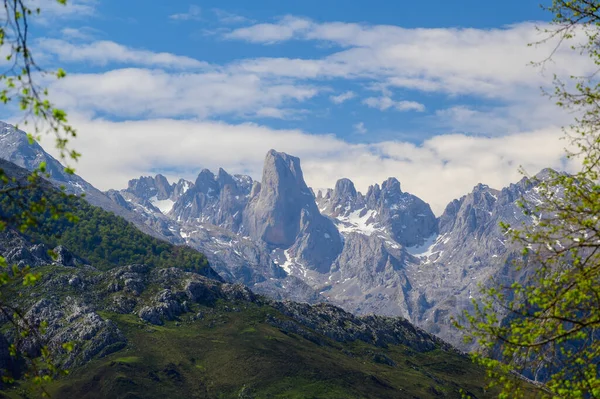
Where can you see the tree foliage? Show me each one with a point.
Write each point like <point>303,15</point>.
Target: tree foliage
<point>20,90</point>
<point>101,238</point>
<point>548,326</point>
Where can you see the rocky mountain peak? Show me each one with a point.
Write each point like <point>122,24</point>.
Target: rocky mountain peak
<point>15,147</point>
<point>163,188</point>
<point>344,188</point>
<point>237,185</point>
<point>341,201</point>
<point>373,193</point>
<point>147,187</point>
<point>215,199</point>
<point>181,187</point>
<point>404,217</point>
<point>284,207</point>
<point>545,174</point>
<point>273,215</point>
<point>325,195</point>
<point>391,185</point>
<point>142,187</point>
<point>283,171</point>
<point>206,183</point>
<point>481,210</point>
<point>224,178</point>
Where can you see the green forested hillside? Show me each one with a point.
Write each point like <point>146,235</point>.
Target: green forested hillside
<point>106,240</point>
<point>101,238</point>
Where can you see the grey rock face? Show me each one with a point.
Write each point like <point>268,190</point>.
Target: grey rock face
<point>370,277</point>
<point>64,257</point>
<point>342,200</point>
<point>284,214</point>
<point>341,326</point>
<point>72,321</point>
<point>407,218</point>
<point>318,243</point>
<point>470,250</point>
<point>154,194</point>
<point>118,199</point>
<point>385,210</point>
<point>273,216</point>
<point>200,293</point>
<point>151,315</point>
<point>218,200</point>
<point>22,253</point>
<point>166,305</point>
<point>147,187</point>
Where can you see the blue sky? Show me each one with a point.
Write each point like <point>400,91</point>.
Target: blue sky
<point>191,29</point>
<point>438,93</point>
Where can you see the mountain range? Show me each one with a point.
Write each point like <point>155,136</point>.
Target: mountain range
<point>383,252</point>
<point>150,319</point>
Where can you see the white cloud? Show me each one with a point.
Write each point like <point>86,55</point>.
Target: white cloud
<point>360,128</point>
<point>485,62</point>
<point>490,66</point>
<point>83,33</point>
<point>384,103</point>
<point>348,95</point>
<point>286,29</point>
<point>51,12</point>
<point>135,93</point>
<point>227,17</point>
<point>388,58</point>
<point>529,111</point>
<point>194,13</point>
<point>441,169</point>
<point>280,113</point>
<point>105,52</point>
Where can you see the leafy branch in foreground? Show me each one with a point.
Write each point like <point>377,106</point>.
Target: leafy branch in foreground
<point>548,325</point>
<point>19,87</point>
<point>25,207</point>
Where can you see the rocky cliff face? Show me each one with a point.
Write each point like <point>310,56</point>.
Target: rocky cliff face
<point>283,214</point>
<point>401,216</point>
<point>217,200</point>
<point>470,249</point>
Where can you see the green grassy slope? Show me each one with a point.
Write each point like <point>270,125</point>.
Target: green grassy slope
<point>228,354</point>
<point>230,348</point>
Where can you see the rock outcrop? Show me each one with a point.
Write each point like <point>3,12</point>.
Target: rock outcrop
<point>283,214</point>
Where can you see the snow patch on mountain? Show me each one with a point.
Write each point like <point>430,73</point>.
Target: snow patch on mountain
<point>164,206</point>
<point>426,249</point>
<point>361,221</point>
